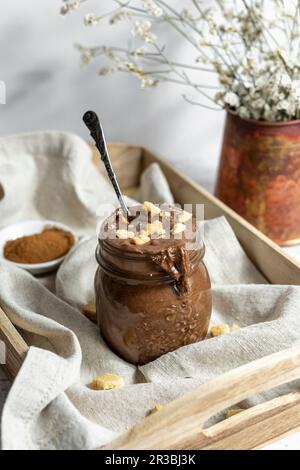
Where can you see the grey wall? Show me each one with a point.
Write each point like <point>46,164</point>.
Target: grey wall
<point>46,89</point>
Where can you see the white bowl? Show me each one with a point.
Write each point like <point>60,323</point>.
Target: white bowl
<point>31,227</point>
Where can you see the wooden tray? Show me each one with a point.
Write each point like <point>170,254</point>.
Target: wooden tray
<point>181,423</point>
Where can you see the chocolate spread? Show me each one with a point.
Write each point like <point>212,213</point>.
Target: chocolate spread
<point>152,295</point>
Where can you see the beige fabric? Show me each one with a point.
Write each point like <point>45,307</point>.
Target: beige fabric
<point>49,175</point>
<point>154,186</point>
<point>50,405</point>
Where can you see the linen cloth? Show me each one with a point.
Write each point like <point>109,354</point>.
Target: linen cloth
<point>50,405</point>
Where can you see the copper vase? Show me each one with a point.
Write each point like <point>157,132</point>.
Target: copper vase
<point>259,175</point>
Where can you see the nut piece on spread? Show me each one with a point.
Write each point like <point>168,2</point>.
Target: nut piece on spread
<point>124,234</point>
<point>107,382</point>
<point>152,208</point>
<point>179,228</point>
<point>89,311</point>
<point>219,330</point>
<point>155,228</point>
<point>141,240</point>
<point>184,216</point>
<point>233,412</point>
<point>156,408</point>
<point>235,328</point>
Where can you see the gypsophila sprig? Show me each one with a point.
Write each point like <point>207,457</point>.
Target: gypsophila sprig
<point>252,48</point>
<point>142,29</point>
<point>69,5</point>
<point>91,20</point>
<point>152,8</point>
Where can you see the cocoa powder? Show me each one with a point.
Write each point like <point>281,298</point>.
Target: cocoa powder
<point>50,244</point>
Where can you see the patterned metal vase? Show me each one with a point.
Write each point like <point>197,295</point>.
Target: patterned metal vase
<point>259,175</point>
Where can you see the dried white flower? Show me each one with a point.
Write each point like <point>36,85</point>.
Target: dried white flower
<point>91,20</point>
<point>258,103</point>
<point>140,51</point>
<point>143,30</point>
<point>283,105</point>
<point>69,5</point>
<point>148,83</point>
<point>244,113</point>
<point>106,70</point>
<point>119,16</point>
<point>252,46</point>
<point>261,81</point>
<point>231,99</point>
<point>87,54</point>
<point>285,81</point>
<point>134,68</point>
<point>152,8</point>
<point>187,15</point>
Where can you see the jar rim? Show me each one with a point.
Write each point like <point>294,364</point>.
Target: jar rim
<point>137,256</point>
<point>154,276</point>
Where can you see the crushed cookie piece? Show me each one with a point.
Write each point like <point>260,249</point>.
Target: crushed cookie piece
<point>184,216</point>
<point>233,412</point>
<point>152,208</point>
<point>235,328</point>
<point>124,234</point>
<point>219,330</point>
<point>107,382</point>
<point>179,228</point>
<point>141,240</point>
<point>89,311</point>
<point>155,228</point>
<point>156,408</point>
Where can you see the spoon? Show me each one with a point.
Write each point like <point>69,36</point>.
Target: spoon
<point>92,122</point>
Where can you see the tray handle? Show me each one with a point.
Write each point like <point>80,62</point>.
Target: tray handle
<point>180,424</point>
<point>15,346</point>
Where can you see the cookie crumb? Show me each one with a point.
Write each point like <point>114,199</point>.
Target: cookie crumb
<point>155,228</point>
<point>151,208</point>
<point>184,216</point>
<point>107,382</point>
<point>89,311</point>
<point>156,408</point>
<point>179,228</point>
<point>235,327</point>
<point>219,330</point>
<point>124,234</point>
<point>233,412</point>
<point>141,240</point>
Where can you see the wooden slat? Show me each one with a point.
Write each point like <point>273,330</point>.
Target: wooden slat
<point>16,347</point>
<point>258,426</point>
<point>180,424</point>
<point>275,265</point>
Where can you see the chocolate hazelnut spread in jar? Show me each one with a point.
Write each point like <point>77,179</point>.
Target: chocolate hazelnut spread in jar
<point>153,292</point>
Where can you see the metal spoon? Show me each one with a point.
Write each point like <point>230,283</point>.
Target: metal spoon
<point>92,122</point>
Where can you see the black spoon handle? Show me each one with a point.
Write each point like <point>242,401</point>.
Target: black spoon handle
<point>92,122</point>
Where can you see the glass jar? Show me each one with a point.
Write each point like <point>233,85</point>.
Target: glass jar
<point>141,311</point>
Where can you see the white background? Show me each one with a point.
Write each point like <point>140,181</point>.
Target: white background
<point>46,89</point>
